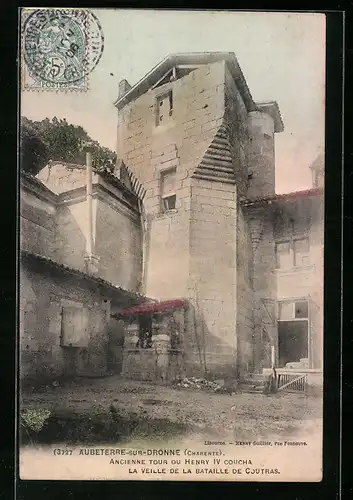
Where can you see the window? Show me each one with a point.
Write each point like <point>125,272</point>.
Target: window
<point>301,252</point>
<point>164,108</point>
<point>168,196</point>
<point>74,326</point>
<point>283,255</point>
<point>292,253</point>
<point>285,311</point>
<point>301,309</point>
<point>293,310</point>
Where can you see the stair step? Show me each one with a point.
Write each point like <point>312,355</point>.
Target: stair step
<point>214,178</point>
<point>253,381</point>
<point>222,132</point>
<point>216,168</point>
<point>220,146</point>
<point>218,157</point>
<point>214,174</point>
<point>221,140</point>
<point>214,161</point>
<point>256,377</point>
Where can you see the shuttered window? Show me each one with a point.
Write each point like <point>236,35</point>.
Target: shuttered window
<point>74,326</point>
<point>164,108</point>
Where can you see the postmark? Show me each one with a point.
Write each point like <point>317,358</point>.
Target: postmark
<point>59,48</point>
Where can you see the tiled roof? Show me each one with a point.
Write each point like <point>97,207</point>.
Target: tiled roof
<point>95,279</point>
<point>154,307</point>
<point>285,196</point>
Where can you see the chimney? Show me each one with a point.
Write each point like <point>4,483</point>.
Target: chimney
<point>124,86</point>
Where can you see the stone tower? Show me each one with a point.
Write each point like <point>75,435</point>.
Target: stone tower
<point>187,131</point>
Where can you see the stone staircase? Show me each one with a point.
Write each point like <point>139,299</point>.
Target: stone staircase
<point>217,163</point>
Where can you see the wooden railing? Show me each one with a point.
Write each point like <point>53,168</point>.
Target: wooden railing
<point>292,382</point>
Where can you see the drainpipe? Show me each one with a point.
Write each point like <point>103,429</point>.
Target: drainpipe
<point>91,260</point>
<point>89,239</point>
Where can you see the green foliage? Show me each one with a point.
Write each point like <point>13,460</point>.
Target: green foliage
<point>57,140</point>
<point>34,419</point>
<point>34,152</point>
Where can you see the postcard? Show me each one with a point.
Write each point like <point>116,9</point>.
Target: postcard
<point>171,171</point>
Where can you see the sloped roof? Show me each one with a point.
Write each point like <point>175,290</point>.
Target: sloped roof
<point>39,186</point>
<point>33,257</point>
<point>319,162</point>
<point>285,196</point>
<point>272,108</point>
<point>153,307</point>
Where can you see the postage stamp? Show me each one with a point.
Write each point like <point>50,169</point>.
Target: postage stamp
<point>60,48</point>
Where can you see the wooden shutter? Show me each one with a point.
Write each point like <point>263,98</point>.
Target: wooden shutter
<point>74,326</point>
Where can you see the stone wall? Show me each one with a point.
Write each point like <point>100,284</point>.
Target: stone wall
<point>164,362</point>
<point>147,149</point>
<point>42,296</point>
<point>307,220</point>
<point>116,225</point>
<point>282,222</point>
<point>245,296</point>
<point>61,177</point>
<point>306,281</point>
<point>118,244</point>
<point>236,120</point>
<point>261,155</point>
<point>191,251</point>
<point>213,278</point>
<point>260,223</point>
<point>72,228</point>
<point>37,224</point>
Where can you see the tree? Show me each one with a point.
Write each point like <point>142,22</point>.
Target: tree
<point>57,140</point>
<point>34,153</point>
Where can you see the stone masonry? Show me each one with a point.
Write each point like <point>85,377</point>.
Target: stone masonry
<point>215,132</point>
<point>52,269</point>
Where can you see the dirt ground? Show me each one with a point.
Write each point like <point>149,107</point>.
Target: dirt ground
<point>241,415</point>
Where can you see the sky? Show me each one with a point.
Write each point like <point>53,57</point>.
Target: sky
<point>282,56</point>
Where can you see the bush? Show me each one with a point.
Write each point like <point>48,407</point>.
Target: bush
<point>34,419</point>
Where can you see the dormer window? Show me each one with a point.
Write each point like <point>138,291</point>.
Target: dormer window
<point>164,108</point>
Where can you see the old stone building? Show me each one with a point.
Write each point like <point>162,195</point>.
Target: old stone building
<point>191,219</point>
<point>214,230</point>
<point>67,295</point>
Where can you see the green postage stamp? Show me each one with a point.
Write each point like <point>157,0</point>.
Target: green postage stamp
<point>59,48</point>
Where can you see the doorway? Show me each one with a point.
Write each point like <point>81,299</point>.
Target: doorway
<point>292,341</point>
